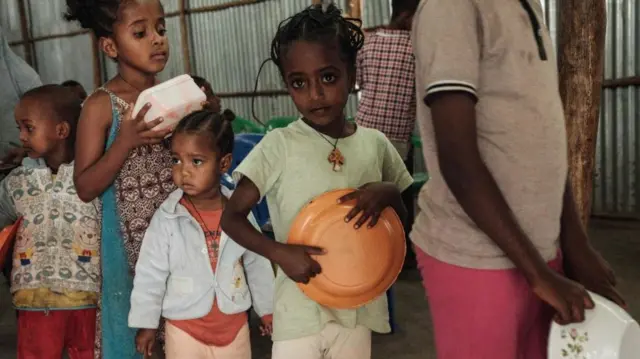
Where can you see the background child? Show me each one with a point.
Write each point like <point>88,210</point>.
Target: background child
<point>204,298</point>
<point>55,279</point>
<point>119,157</point>
<point>212,99</point>
<point>386,77</point>
<point>77,88</point>
<point>315,52</point>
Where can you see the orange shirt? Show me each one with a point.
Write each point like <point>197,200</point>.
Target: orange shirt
<point>215,328</point>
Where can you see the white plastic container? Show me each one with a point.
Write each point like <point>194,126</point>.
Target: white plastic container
<point>608,332</point>
<point>171,100</point>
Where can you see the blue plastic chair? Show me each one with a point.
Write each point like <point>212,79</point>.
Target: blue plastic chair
<point>242,145</point>
<point>227,181</point>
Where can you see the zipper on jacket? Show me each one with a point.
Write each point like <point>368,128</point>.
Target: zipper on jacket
<point>537,29</point>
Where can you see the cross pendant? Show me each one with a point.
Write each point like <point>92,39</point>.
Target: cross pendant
<point>336,159</point>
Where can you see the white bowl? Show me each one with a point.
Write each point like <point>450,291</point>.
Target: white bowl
<point>172,100</point>
<point>608,332</point>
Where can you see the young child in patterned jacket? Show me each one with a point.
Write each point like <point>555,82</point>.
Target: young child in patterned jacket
<point>55,279</point>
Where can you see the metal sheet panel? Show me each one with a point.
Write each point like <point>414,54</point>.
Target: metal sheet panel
<point>375,12</point>
<point>61,59</point>
<point>65,59</point>
<point>10,20</point>
<point>617,151</point>
<point>230,45</point>
<point>550,17</point>
<point>175,66</point>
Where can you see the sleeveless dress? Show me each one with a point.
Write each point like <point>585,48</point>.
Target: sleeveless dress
<point>143,183</point>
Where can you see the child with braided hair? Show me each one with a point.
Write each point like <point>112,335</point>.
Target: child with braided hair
<point>315,51</point>
<point>119,157</point>
<point>204,298</point>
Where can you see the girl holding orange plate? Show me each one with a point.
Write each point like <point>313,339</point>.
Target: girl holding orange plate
<point>315,51</point>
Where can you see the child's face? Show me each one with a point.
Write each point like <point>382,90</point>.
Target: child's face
<point>318,81</point>
<point>139,37</point>
<point>40,135</point>
<point>196,166</point>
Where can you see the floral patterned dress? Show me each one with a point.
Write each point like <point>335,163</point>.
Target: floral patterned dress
<point>143,183</point>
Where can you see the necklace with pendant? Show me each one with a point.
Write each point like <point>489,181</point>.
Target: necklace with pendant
<point>335,157</point>
<point>212,243</point>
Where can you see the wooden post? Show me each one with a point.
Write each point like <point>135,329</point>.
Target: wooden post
<point>24,30</point>
<point>355,9</point>
<point>184,37</point>
<point>97,71</point>
<point>581,35</point>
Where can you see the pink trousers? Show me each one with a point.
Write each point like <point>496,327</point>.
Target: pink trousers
<point>484,314</point>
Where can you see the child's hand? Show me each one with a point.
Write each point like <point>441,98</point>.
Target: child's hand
<point>145,340</point>
<point>567,297</point>
<point>585,265</point>
<point>14,157</point>
<point>296,262</point>
<point>135,132</point>
<point>212,103</point>
<point>371,200</point>
<point>266,329</point>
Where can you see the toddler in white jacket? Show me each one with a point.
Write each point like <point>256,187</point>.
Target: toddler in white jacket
<point>190,272</point>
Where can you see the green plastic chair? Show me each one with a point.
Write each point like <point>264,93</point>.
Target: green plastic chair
<point>416,141</point>
<point>279,122</point>
<point>419,179</point>
<point>241,125</point>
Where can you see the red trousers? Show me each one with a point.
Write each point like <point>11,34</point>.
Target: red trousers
<point>46,335</point>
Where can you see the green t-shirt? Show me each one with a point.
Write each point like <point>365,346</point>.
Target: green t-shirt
<point>289,167</point>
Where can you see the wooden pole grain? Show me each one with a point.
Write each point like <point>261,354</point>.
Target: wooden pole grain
<point>581,36</point>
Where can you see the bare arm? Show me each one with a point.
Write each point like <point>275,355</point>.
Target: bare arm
<point>454,122</point>
<point>581,261</point>
<point>95,169</point>
<point>236,223</point>
<point>294,260</point>
<point>572,231</point>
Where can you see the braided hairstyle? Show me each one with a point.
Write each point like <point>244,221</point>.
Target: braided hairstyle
<point>95,15</point>
<point>217,126</point>
<point>315,25</point>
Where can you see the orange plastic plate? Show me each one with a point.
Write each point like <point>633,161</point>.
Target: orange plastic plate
<point>7,236</point>
<point>359,264</point>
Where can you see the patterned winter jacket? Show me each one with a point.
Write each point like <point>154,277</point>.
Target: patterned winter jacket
<point>57,246</point>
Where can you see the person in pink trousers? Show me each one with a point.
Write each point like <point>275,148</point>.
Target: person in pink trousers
<point>499,242</point>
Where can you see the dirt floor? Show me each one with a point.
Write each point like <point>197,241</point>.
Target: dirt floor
<point>618,241</point>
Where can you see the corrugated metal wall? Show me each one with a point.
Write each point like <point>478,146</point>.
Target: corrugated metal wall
<point>617,177</point>
<point>56,60</point>
<point>234,68</point>
<point>228,46</point>
<point>10,22</point>
<point>616,189</point>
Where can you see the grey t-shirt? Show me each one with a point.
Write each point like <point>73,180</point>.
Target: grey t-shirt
<point>16,77</point>
<point>487,48</point>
